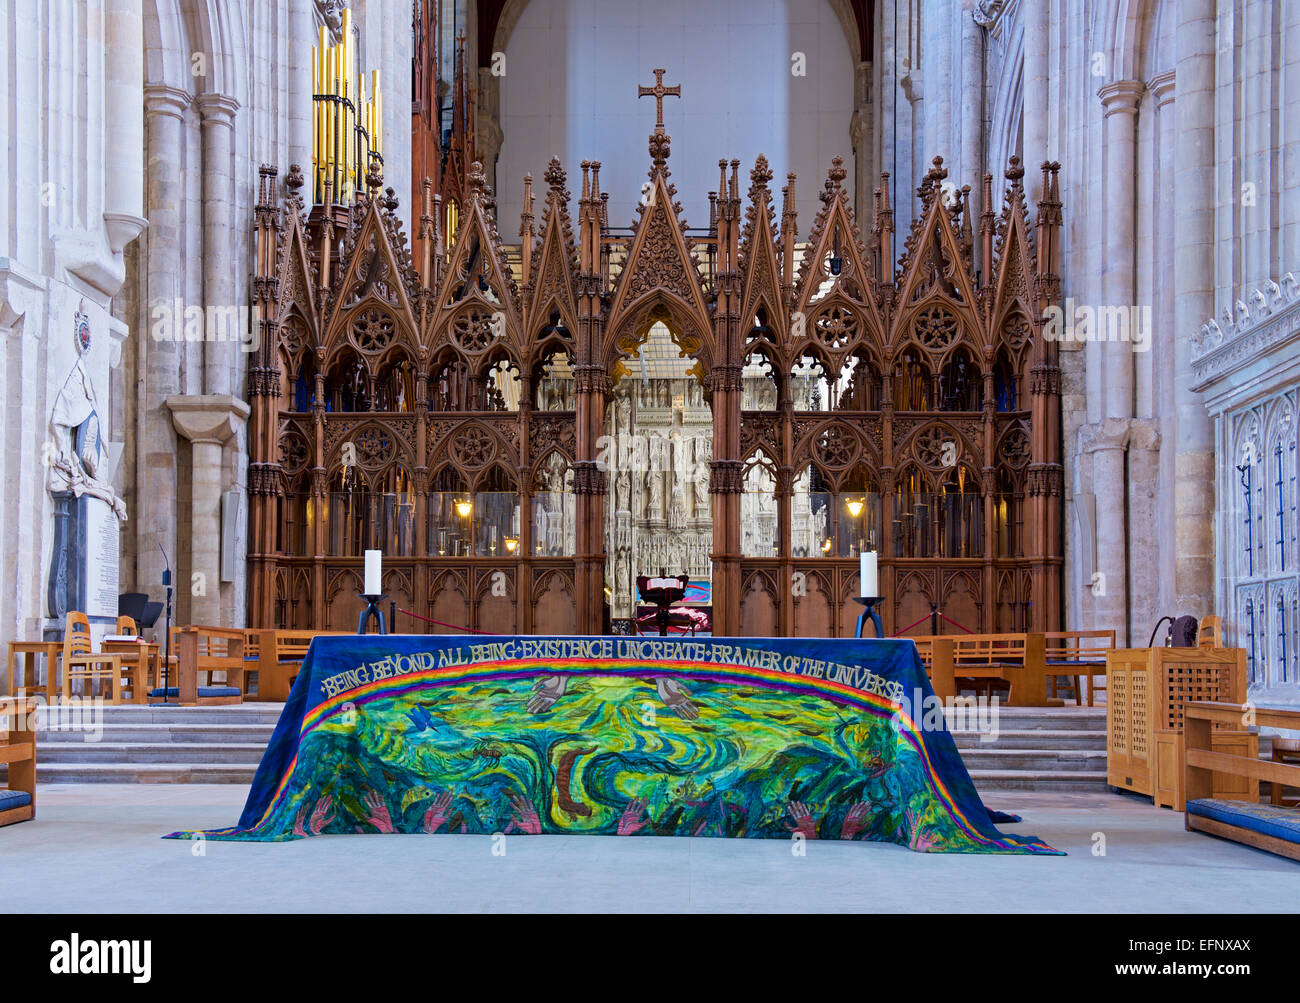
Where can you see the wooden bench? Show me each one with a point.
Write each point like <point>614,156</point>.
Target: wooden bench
<point>1266,827</point>
<point>1083,651</point>
<point>207,650</point>
<point>18,749</point>
<point>936,656</point>
<point>276,656</point>
<point>1017,659</point>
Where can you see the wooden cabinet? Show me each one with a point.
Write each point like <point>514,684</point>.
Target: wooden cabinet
<point>1147,689</point>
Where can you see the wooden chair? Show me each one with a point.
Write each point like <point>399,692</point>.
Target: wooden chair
<point>80,661</point>
<point>18,749</point>
<point>1078,654</point>
<point>1210,634</point>
<point>135,664</point>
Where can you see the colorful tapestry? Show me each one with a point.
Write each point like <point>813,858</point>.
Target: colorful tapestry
<point>771,738</point>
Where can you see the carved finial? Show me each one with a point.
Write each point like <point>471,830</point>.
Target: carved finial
<point>659,149</point>
<point>837,172</point>
<point>477,179</point>
<point>389,202</point>
<point>375,176</point>
<point>1015,172</point>
<point>555,177</point>
<point>761,174</point>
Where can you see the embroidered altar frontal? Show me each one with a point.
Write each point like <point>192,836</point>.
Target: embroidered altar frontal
<point>758,737</point>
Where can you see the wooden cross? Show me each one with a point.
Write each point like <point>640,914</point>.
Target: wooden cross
<point>658,92</point>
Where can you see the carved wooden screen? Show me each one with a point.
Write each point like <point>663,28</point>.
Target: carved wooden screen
<point>449,410</point>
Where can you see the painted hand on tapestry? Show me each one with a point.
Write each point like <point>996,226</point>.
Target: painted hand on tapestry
<point>378,810</point>
<point>631,822</point>
<point>525,817</point>
<point>321,816</point>
<point>437,813</point>
<point>546,692</point>
<point>677,698</point>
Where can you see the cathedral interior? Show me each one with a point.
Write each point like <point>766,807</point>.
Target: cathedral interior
<point>999,291</point>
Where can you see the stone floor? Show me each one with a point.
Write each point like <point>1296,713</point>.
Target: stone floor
<point>96,847</point>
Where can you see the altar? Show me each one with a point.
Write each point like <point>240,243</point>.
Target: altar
<point>792,738</point>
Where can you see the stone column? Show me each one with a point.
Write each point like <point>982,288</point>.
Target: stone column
<point>155,523</point>
<point>1194,197</point>
<point>1107,442</point>
<point>219,218</point>
<point>209,422</point>
<point>939,55</point>
<point>1038,38</point>
<point>489,137</point>
<point>1120,101</point>
<point>1164,333</point>
<point>971,168</point>
<point>1290,182</point>
<point>124,128</point>
<point>862,127</point>
<point>1145,537</point>
<point>302,31</point>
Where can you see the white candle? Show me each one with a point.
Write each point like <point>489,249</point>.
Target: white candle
<point>373,576</point>
<point>867,574</point>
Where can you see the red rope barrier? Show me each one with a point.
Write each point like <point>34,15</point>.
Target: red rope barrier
<point>910,626</point>
<point>955,624</point>
<point>467,630</point>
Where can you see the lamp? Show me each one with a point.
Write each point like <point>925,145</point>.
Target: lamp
<point>855,507</point>
<point>512,544</point>
<point>464,507</point>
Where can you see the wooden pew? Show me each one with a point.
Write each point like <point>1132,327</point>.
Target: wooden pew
<point>279,655</point>
<point>1266,827</point>
<point>936,656</point>
<point>1018,659</point>
<point>210,650</point>
<point>1080,650</point>
<point>18,749</point>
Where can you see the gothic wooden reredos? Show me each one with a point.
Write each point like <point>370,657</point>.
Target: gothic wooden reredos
<point>386,391</point>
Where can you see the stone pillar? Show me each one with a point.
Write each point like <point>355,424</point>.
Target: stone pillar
<point>1038,39</point>
<point>862,129</point>
<point>1290,181</point>
<point>1120,101</point>
<point>1107,442</point>
<point>1194,198</point>
<point>302,32</point>
<point>938,58</point>
<point>124,128</point>
<point>1144,531</point>
<point>971,169</point>
<point>489,137</point>
<point>1164,334</point>
<point>155,522</point>
<point>219,218</point>
<point>209,422</point>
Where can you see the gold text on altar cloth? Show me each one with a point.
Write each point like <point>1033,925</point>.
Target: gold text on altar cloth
<point>616,649</point>
<point>75,956</point>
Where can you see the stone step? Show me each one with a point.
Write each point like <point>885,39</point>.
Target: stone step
<point>1033,719</point>
<point>1022,780</point>
<point>1033,739</point>
<point>209,753</point>
<point>144,773</point>
<point>248,713</point>
<point>1045,760</point>
<point>148,733</point>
